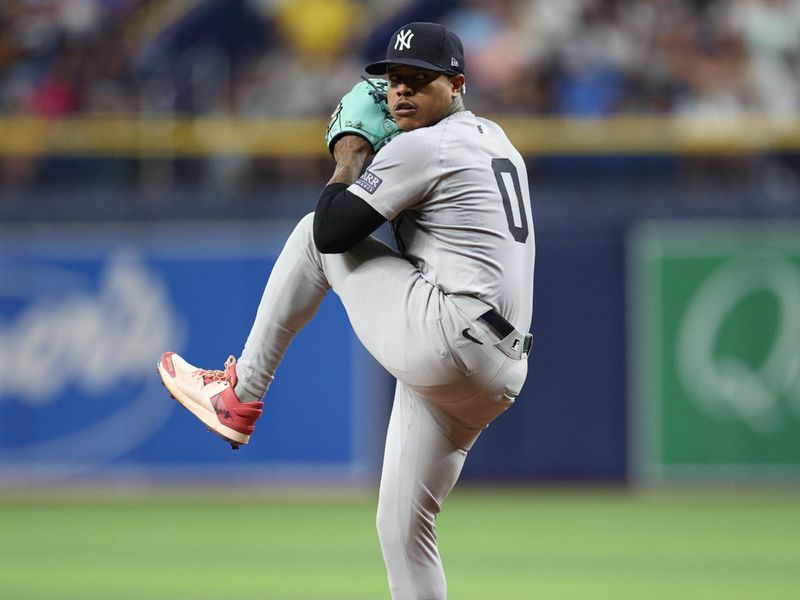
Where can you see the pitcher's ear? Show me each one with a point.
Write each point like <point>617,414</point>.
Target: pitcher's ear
<point>459,84</point>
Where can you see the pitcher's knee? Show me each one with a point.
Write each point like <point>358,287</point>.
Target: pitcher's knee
<point>408,543</point>
<point>306,225</point>
<point>303,232</point>
<point>388,530</point>
<point>301,240</point>
<point>406,526</point>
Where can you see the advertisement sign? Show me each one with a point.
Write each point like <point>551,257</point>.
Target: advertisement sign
<point>715,349</point>
<point>85,313</point>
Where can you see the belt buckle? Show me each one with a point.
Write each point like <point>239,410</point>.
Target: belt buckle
<point>527,343</point>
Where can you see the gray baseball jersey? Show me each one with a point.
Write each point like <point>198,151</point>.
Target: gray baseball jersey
<point>445,316</point>
<point>457,195</point>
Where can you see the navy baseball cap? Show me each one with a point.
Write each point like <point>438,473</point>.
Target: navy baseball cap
<point>423,45</point>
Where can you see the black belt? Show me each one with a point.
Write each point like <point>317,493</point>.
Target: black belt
<point>502,327</point>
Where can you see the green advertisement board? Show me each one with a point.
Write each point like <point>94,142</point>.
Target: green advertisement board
<point>714,350</point>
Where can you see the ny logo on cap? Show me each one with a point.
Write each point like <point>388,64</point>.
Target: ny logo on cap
<point>403,41</point>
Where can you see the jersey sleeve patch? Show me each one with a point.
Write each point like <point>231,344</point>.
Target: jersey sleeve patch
<point>369,181</point>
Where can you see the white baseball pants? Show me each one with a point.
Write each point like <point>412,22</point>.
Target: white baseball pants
<point>448,387</point>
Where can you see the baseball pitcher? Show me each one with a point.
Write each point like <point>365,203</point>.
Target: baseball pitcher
<point>447,315</point>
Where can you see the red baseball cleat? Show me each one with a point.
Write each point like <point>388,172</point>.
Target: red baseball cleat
<point>209,396</point>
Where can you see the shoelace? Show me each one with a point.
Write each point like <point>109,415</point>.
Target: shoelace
<point>211,375</point>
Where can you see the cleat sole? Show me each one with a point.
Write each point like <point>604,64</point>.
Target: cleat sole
<point>208,417</point>
<point>234,445</point>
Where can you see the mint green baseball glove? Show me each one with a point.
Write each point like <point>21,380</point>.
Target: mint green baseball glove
<point>363,111</point>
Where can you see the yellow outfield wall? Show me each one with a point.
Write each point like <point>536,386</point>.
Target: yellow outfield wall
<point>165,138</point>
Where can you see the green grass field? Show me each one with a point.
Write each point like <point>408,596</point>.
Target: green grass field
<point>549,545</point>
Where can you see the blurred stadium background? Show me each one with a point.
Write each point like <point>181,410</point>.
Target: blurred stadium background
<point>148,148</point>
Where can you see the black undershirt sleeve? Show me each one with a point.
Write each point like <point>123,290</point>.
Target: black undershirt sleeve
<point>342,219</point>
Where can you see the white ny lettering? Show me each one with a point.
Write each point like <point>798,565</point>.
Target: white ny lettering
<point>403,41</point>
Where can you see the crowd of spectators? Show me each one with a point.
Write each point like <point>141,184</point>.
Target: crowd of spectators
<point>284,58</point>
<point>294,57</point>
<point>595,57</point>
